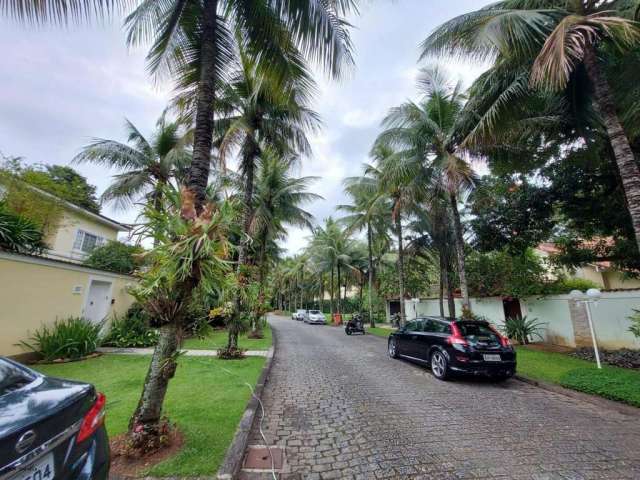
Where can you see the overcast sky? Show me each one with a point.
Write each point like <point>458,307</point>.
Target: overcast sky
<point>59,88</point>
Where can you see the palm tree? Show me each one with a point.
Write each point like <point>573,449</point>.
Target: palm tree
<point>257,111</point>
<point>147,166</point>
<point>367,212</point>
<point>555,41</point>
<point>427,136</point>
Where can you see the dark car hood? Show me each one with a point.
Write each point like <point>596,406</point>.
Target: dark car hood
<point>41,398</point>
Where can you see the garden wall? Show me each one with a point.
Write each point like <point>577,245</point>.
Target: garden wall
<point>566,321</point>
<point>35,291</point>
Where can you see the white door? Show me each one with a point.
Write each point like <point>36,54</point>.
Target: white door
<point>98,301</point>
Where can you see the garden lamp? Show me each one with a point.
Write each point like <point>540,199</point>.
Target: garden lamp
<point>592,296</point>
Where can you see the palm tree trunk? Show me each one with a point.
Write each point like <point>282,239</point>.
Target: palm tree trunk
<point>443,280</point>
<point>339,309</point>
<point>163,365</point>
<point>451,302</point>
<point>331,293</point>
<point>625,160</point>
<point>146,418</point>
<point>462,275</point>
<point>372,322</point>
<point>198,175</point>
<point>400,269</point>
<point>249,153</point>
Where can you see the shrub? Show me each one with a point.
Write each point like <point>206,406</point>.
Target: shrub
<point>69,339</point>
<point>523,329</point>
<point>115,257</point>
<point>130,331</point>
<point>18,233</point>
<point>635,323</point>
<point>565,285</point>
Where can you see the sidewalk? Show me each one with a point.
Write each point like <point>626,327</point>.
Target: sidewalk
<point>189,353</point>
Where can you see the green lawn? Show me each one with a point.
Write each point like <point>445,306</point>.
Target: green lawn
<point>380,332</point>
<point>205,401</point>
<point>218,339</point>
<point>611,382</point>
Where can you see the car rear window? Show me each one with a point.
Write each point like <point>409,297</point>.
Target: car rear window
<point>12,378</point>
<point>314,312</point>
<point>477,331</point>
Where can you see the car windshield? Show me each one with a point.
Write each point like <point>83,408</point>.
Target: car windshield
<point>301,311</point>
<point>478,332</point>
<point>12,378</point>
<point>314,312</point>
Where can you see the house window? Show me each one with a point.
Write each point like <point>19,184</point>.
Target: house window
<point>86,242</point>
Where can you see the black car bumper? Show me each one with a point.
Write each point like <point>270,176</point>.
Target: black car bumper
<point>490,369</point>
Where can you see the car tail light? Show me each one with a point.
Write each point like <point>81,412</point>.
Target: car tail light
<point>93,419</point>
<point>456,337</point>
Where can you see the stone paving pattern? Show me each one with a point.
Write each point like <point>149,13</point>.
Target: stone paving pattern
<point>343,410</point>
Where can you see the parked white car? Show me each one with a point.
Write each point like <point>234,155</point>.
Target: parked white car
<point>315,317</point>
<point>299,314</point>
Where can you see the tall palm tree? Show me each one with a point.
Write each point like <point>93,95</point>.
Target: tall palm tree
<point>427,136</point>
<point>256,111</point>
<point>555,42</point>
<point>367,211</point>
<point>147,165</point>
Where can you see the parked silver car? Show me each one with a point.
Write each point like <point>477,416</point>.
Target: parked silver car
<point>315,317</point>
<point>299,314</point>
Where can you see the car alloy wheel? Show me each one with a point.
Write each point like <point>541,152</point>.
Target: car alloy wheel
<point>393,353</point>
<point>439,365</point>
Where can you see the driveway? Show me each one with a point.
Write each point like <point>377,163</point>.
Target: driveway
<point>342,409</point>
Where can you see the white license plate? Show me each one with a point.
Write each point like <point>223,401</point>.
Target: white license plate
<point>491,358</point>
<point>43,469</point>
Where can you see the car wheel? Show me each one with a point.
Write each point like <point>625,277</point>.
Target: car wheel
<point>347,331</point>
<point>439,365</point>
<point>393,348</point>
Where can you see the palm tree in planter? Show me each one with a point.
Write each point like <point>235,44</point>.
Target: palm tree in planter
<point>556,42</point>
<point>147,165</point>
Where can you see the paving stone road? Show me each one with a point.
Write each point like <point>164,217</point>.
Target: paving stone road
<point>342,409</point>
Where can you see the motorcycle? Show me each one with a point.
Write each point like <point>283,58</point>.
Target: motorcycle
<point>355,325</point>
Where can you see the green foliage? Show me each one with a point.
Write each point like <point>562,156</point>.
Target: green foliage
<point>635,323</point>
<point>59,180</point>
<point>19,234</point>
<point>71,338</point>
<point>131,330</point>
<point>115,257</point>
<point>419,275</point>
<point>566,284</point>
<point>621,384</point>
<point>523,329</point>
<point>510,212</point>
<point>500,273</point>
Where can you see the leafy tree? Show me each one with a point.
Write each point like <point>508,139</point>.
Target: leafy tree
<point>512,213</point>
<point>555,46</point>
<point>115,257</point>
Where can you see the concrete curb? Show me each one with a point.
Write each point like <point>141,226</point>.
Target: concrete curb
<point>232,462</point>
<point>585,397</point>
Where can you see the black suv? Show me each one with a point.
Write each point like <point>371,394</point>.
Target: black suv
<point>449,345</point>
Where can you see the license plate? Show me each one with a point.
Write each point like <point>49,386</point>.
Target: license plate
<point>491,358</point>
<point>43,469</point>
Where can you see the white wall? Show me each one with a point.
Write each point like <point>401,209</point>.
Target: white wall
<point>609,316</point>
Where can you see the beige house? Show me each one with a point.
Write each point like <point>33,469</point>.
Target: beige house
<point>602,274</point>
<point>37,290</point>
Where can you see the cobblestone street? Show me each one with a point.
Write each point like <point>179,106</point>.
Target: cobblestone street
<point>342,409</point>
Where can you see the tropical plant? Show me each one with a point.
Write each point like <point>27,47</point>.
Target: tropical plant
<point>19,234</point>
<point>523,329</point>
<point>146,166</point>
<point>130,331</point>
<point>634,328</point>
<point>69,339</point>
<point>115,257</point>
<point>553,45</point>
